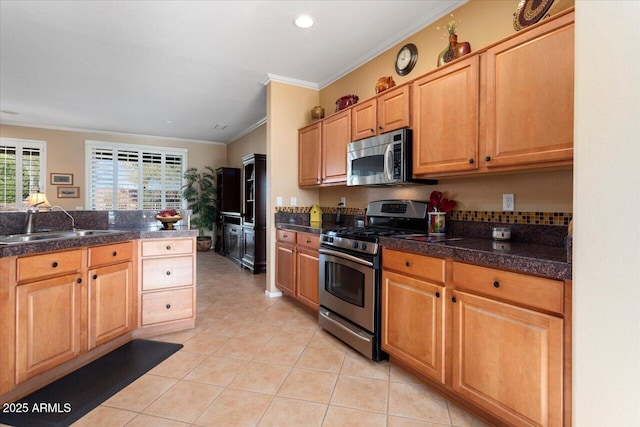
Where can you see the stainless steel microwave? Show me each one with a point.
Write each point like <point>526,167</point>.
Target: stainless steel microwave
<point>384,159</point>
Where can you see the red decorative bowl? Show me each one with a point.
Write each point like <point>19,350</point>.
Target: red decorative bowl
<point>346,101</point>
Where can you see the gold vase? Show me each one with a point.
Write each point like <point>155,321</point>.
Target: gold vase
<point>317,113</point>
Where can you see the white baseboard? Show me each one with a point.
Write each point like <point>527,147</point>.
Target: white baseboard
<point>273,294</point>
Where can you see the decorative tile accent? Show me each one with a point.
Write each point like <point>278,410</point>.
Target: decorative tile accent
<point>536,218</point>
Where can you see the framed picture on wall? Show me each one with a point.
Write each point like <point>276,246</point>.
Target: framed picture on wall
<point>61,178</point>
<point>68,192</point>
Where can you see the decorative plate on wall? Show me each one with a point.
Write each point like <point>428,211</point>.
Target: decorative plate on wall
<point>529,12</point>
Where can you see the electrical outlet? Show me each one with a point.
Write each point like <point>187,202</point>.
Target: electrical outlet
<point>343,201</point>
<point>294,201</point>
<point>508,202</point>
<point>279,201</point>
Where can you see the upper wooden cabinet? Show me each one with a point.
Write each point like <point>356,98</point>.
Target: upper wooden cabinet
<point>445,131</point>
<point>388,111</point>
<point>309,155</point>
<point>529,103</point>
<point>336,134</point>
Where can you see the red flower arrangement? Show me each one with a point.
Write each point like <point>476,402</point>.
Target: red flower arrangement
<point>437,203</point>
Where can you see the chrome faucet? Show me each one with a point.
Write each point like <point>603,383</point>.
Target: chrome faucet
<point>28,223</point>
<point>73,221</point>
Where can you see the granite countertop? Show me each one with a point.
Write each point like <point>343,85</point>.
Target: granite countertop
<point>114,236</point>
<point>543,260</point>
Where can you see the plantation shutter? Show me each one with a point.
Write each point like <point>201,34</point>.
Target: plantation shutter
<point>21,171</point>
<point>135,177</point>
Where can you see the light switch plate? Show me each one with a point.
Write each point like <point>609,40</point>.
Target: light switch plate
<point>343,201</point>
<point>294,201</point>
<point>279,201</point>
<point>508,202</point>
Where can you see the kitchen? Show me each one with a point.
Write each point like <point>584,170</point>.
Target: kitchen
<point>593,371</point>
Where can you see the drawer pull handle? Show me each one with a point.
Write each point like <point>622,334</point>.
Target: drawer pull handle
<point>454,300</point>
<point>54,265</point>
<point>308,241</point>
<point>95,276</point>
<point>408,264</point>
<point>114,253</point>
<point>168,306</point>
<point>285,235</point>
<point>168,247</point>
<point>496,284</point>
<point>79,280</point>
<point>168,273</point>
<point>437,294</point>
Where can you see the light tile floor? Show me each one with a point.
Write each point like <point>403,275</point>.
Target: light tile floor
<point>259,361</point>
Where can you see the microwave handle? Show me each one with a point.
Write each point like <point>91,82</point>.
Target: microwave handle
<point>388,163</point>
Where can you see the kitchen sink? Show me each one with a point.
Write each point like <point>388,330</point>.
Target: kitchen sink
<point>51,235</point>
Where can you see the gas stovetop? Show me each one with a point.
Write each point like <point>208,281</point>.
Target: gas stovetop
<point>399,217</point>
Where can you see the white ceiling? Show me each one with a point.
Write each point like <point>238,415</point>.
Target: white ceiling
<point>131,66</point>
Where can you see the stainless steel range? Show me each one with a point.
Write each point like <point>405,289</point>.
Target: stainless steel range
<point>350,273</point>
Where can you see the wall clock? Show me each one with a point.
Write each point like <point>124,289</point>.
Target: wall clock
<point>406,59</point>
<point>529,12</point>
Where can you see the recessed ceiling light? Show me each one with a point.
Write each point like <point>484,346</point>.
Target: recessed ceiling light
<point>304,21</point>
<point>168,121</point>
<point>9,112</point>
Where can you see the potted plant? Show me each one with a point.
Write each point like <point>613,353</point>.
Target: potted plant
<point>199,191</point>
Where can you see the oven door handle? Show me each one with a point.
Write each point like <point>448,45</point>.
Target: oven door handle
<point>342,255</point>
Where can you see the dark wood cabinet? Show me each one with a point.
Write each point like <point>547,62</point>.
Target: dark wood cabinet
<point>232,231</point>
<point>254,224</point>
<point>229,199</point>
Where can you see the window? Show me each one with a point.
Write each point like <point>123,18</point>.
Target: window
<point>22,171</point>
<point>125,176</point>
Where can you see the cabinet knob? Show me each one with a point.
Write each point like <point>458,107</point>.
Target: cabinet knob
<point>471,161</point>
<point>79,280</point>
<point>95,276</point>
<point>168,306</point>
<point>408,264</point>
<point>54,264</point>
<point>168,273</point>
<point>488,158</point>
<point>496,284</point>
<point>380,127</point>
<point>114,253</point>
<point>308,241</point>
<point>437,294</point>
<point>372,131</point>
<point>454,300</point>
<point>168,247</point>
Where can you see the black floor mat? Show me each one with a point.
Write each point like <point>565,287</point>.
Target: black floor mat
<point>74,395</point>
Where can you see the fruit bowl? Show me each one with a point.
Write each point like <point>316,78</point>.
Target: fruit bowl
<point>168,220</point>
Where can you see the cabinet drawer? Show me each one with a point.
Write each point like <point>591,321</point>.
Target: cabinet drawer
<point>286,236</point>
<point>546,294</point>
<point>416,265</point>
<point>110,254</point>
<point>310,241</point>
<point>159,273</point>
<point>157,247</point>
<point>45,265</point>
<point>166,306</point>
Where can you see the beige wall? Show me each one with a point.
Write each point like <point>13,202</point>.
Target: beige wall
<point>534,192</point>
<point>65,153</point>
<point>253,142</point>
<point>287,110</point>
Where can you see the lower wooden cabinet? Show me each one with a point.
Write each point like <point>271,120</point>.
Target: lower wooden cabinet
<point>508,360</point>
<point>297,268</point>
<point>111,302</point>
<point>167,285</point>
<point>413,323</point>
<point>498,340</point>
<point>48,324</point>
